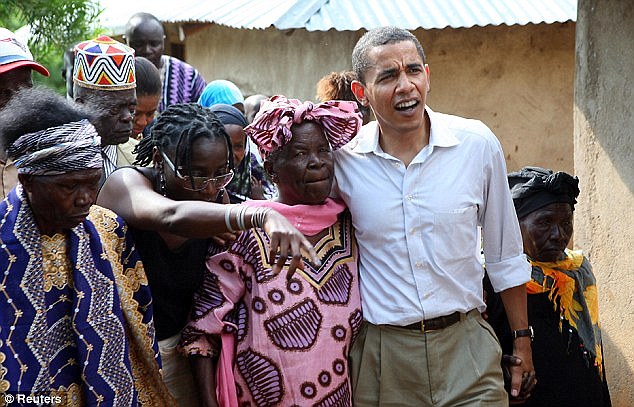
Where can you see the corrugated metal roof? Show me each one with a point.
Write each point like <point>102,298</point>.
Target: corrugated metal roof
<point>344,15</point>
<point>411,14</point>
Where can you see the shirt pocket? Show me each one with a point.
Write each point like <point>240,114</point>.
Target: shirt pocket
<point>454,236</point>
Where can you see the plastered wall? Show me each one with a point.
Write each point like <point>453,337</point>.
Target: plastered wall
<point>518,79</point>
<point>604,162</point>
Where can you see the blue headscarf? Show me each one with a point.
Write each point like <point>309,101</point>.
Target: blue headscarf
<point>220,91</point>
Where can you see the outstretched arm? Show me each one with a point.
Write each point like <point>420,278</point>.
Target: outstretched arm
<point>131,196</point>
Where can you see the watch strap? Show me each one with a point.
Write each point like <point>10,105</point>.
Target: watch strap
<point>524,332</point>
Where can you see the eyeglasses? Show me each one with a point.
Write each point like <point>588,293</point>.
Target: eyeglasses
<point>200,183</point>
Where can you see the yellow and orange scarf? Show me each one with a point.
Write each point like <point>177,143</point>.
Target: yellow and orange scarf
<point>571,287</point>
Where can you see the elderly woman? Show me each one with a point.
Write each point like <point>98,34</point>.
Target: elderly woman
<point>76,316</point>
<point>172,211</point>
<point>562,295</point>
<point>249,178</point>
<point>292,333</point>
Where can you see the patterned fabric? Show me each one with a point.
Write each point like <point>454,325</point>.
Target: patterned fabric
<point>181,83</point>
<point>271,128</point>
<point>77,316</point>
<point>571,288</point>
<point>220,92</point>
<point>57,150</point>
<point>104,64</point>
<point>292,335</point>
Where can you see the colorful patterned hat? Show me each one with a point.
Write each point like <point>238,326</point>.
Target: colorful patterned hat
<point>104,64</point>
<point>15,54</point>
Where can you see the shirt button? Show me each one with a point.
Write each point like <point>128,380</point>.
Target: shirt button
<point>419,265</point>
<point>409,197</point>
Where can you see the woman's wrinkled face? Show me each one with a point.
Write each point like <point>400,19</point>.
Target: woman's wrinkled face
<point>61,202</point>
<point>209,159</point>
<point>304,169</point>
<point>547,231</point>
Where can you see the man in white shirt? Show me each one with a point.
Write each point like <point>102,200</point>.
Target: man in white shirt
<point>419,184</point>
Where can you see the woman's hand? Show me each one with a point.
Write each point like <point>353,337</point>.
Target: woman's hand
<point>528,380</point>
<point>287,242</point>
<point>257,190</point>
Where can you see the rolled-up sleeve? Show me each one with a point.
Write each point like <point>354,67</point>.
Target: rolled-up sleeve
<point>504,256</point>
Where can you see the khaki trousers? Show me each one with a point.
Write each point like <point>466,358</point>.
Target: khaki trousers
<point>451,367</point>
<point>177,374</point>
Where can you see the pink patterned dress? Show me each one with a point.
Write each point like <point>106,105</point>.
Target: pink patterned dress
<point>292,337</point>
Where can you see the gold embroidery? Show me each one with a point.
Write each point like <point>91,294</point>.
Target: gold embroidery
<point>55,262</point>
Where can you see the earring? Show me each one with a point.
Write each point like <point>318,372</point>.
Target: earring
<point>162,181</point>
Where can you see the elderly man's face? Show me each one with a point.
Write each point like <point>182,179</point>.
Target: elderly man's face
<point>61,202</point>
<point>148,40</point>
<point>114,111</point>
<point>13,80</point>
<point>547,231</point>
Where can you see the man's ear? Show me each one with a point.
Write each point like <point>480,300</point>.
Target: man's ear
<point>26,181</point>
<point>359,92</point>
<point>428,78</point>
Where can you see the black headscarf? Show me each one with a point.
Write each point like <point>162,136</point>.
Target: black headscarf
<point>533,188</point>
<point>229,115</point>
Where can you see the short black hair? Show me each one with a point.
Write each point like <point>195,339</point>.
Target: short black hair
<point>36,109</point>
<point>139,18</point>
<point>148,78</point>
<point>176,129</point>
<point>376,38</point>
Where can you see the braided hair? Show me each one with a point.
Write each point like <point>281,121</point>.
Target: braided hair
<point>176,129</point>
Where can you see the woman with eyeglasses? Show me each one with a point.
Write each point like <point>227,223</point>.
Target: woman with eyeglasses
<point>173,212</point>
<point>250,180</point>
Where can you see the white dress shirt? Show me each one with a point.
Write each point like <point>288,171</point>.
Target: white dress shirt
<point>417,227</point>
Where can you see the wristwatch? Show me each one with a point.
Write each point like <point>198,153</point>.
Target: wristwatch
<point>524,332</point>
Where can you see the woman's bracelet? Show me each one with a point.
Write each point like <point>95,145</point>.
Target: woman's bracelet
<point>258,216</point>
<point>240,218</point>
<point>228,218</point>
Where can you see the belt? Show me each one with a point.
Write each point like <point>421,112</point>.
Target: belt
<point>433,324</point>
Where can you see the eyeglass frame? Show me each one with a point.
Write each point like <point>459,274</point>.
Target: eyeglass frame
<point>190,179</point>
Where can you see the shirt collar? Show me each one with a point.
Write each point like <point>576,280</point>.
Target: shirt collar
<point>440,135</point>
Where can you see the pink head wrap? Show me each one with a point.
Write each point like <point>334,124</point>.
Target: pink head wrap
<point>271,129</point>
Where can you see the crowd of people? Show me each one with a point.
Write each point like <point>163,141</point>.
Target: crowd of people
<point>169,242</point>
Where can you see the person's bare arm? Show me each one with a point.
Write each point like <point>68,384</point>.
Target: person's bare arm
<point>204,372</point>
<point>131,196</point>
<point>514,300</point>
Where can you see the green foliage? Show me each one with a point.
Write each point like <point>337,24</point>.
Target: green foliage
<point>55,25</point>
